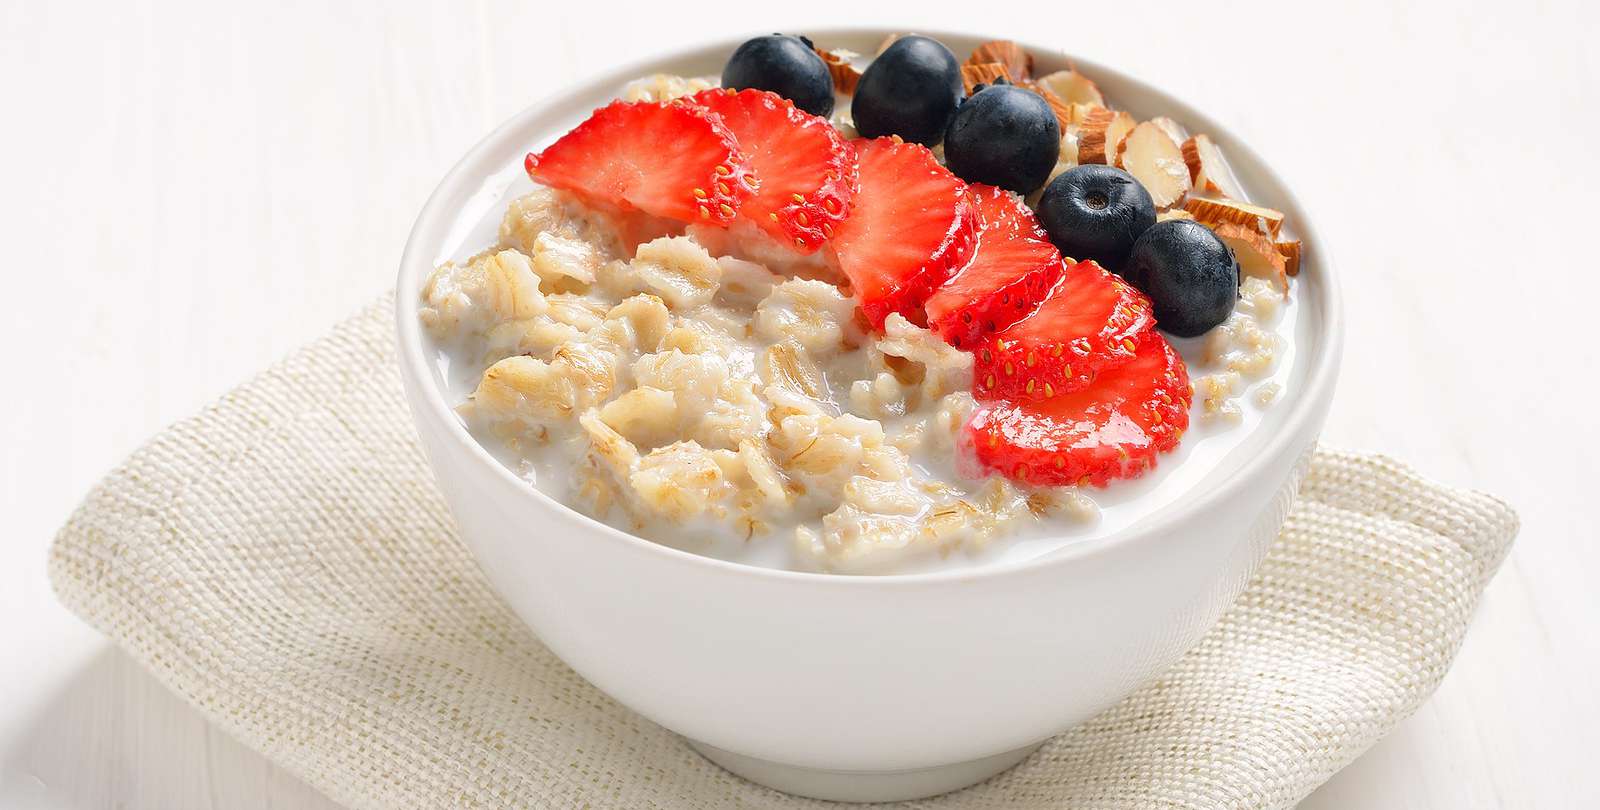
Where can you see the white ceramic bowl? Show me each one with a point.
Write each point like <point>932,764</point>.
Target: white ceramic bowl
<point>863,688</point>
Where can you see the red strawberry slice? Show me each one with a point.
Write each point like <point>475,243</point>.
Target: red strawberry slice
<point>1112,429</point>
<point>1092,321</point>
<point>672,160</point>
<point>1013,268</point>
<point>806,171</point>
<point>911,226</point>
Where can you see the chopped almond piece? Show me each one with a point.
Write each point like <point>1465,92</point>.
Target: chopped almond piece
<point>1208,169</point>
<point>1215,212</point>
<point>1073,88</point>
<point>1258,255</point>
<point>1093,118</point>
<point>845,78</point>
<point>1069,116</point>
<point>1154,159</point>
<point>1069,150</point>
<point>845,75</point>
<point>987,73</point>
<point>1174,130</point>
<point>1063,110</point>
<point>1080,113</point>
<point>1290,251</point>
<point>1096,119</point>
<point>1066,159</point>
<point>1173,213</point>
<point>1101,134</point>
<point>1018,63</point>
<point>1191,156</point>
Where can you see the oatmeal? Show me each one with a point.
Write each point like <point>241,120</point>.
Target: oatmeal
<point>671,387</point>
<point>762,377</point>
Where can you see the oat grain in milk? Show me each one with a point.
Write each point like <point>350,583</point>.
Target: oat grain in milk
<point>676,393</point>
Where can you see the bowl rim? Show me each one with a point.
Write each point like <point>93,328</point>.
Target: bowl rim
<point>433,220</point>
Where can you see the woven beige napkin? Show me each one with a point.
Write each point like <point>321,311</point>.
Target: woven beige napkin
<point>283,561</point>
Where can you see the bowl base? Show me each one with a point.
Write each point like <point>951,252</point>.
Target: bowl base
<point>863,786</point>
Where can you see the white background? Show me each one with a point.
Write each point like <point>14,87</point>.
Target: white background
<point>187,192</point>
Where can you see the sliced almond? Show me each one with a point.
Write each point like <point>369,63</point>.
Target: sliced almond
<point>1174,130</point>
<point>1208,169</point>
<point>1216,212</point>
<point>1117,132</point>
<point>1173,213</point>
<point>1062,109</point>
<point>1017,61</point>
<point>986,73</point>
<point>1100,135</point>
<point>845,75</point>
<point>1290,251</point>
<point>1073,88</point>
<point>1258,255</point>
<point>1154,159</point>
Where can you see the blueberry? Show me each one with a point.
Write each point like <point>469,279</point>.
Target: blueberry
<point>910,90</point>
<point>1095,212</point>
<point>1192,278</point>
<point>1004,136</point>
<point>785,65</point>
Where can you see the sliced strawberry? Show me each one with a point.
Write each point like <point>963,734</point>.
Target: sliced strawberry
<point>910,227</point>
<point>672,160</point>
<point>1091,321</point>
<point>1112,429</point>
<point>806,171</point>
<point>1013,268</point>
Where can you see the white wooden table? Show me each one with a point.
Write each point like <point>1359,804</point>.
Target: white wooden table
<point>190,191</point>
